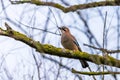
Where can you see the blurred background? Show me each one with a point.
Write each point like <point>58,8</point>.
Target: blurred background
<point>18,61</point>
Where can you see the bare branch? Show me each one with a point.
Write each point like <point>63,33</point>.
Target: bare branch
<point>71,8</point>
<point>103,50</point>
<point>38,29</point>
<point>94,73</point>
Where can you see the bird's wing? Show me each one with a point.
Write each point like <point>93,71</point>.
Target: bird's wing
<point>76,43</point>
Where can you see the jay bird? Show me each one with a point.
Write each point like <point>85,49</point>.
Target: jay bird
<point>68,41</point>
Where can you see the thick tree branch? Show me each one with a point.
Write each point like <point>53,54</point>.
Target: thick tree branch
<point>70,8</point>
<point>51,50</point>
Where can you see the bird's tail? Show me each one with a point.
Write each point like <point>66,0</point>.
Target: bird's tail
<point>84,63</point>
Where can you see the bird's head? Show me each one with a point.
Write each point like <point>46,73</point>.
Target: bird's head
<point>64,29</point>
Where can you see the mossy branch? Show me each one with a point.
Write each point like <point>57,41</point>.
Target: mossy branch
<point>94,73</point>
<point>51,50</point>
<point>70,8</point>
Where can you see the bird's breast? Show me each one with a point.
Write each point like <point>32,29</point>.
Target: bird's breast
<point>68,43</point>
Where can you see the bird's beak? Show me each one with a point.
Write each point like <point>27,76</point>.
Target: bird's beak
<point>60,28</point>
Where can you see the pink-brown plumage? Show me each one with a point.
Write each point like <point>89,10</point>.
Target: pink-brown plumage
<point>69,42</point>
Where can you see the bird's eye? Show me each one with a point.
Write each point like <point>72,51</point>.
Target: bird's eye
<point>64,29</point>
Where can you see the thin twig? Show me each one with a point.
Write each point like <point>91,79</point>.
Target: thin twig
<point>55,19</point>
<point>104,39</point>
<point>104,32</point>
<point>102,49</point>
<point>38,29</point>
<point>94,73</point>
